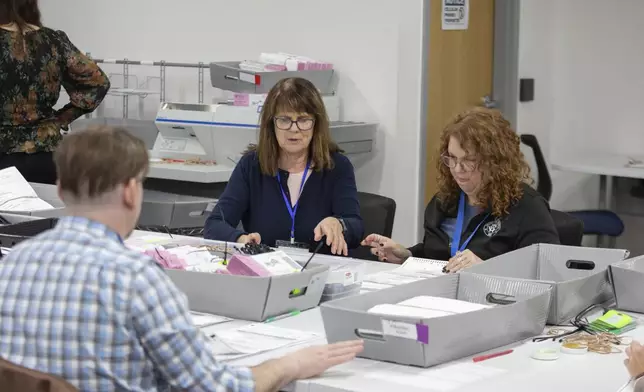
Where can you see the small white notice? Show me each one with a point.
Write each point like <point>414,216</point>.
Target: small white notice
<point>455,14</point>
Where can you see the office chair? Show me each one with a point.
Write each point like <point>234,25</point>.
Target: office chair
<point>595,222</point>
<point>378,214</point>
<point>15,378</point>
<point>569,228</point>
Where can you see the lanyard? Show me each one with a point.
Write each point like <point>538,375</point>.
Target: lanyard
<point>458,229</point>
<point>292,210</point>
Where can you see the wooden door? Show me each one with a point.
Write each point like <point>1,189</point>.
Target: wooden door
<point>460,73</point>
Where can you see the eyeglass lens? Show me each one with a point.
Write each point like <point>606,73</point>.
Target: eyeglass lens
<point>302,123</point>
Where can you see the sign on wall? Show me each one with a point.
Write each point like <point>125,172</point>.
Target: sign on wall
<point>455,14</point>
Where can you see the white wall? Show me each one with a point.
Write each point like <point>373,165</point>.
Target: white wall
<point>377,51</point>
<point>586,57</point>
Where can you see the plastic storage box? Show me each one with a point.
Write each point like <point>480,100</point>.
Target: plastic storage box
<point>22,227</point>
<point>627,278</point>
<point>579,275</point>
<point>428,342</point>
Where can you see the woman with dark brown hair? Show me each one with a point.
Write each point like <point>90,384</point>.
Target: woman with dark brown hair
<point>484,206</point>
<point>294,187</point>
<point>35,62</point>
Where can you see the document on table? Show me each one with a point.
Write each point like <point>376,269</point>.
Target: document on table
<point>426,307</point>
<point>254,339</point>
<point>202,320</point>
<point>412,270</point>
<point>17,195</point>
<point>443,378</point>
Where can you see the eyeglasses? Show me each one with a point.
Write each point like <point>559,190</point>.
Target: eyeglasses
<point>285,123</point>
<point>467,164</point>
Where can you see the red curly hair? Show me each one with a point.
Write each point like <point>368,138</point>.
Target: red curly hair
<point>486,134</point>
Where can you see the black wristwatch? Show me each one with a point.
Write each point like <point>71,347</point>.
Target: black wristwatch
<point>344,225</point>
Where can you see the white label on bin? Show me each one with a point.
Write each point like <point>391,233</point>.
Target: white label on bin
<point>248,78</point>
<point>399,329</point>
<point>349,278</point>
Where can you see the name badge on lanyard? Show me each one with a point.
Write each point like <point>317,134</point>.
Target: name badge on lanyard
<point>292,210</point>
<point>458,229</point>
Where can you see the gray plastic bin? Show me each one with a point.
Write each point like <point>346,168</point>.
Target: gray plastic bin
<point>251,298</point>
<point>575,289</point>
<point>48,193</point>
<point>429,342</point>
<point>627,278</point>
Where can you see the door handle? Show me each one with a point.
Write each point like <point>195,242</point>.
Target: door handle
<point>488,102</point>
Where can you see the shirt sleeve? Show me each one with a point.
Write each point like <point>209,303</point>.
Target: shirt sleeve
<point>345,203</point>
<point>223,220</point>
<point>177,347</point>
<point>85,83</point>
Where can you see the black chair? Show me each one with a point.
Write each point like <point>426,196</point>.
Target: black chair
<point>378,214</point>
<point>595,222</point>
<point>570,228</point>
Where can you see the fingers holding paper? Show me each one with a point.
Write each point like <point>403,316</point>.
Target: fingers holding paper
<point>462,260</point>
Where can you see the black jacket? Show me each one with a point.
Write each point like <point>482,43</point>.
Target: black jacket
<point>528,222</point>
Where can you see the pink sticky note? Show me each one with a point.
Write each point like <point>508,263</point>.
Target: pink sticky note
<point>240,99</point>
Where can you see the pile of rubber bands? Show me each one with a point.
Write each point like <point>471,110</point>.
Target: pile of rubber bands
<point>601,342</point>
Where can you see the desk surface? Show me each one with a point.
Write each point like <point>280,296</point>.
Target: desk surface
<point>599,164</point>
<point>589,373</point>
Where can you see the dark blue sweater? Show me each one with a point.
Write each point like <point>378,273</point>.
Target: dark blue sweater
<point>255,199</point>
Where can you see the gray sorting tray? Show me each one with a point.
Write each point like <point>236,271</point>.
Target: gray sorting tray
<point>174,211</point>
<point>227,76</point>
<point>627,278</point>
<point>159,208</point>
<point>432,341</point>
<point>251,298</point>
<point>579,274</point>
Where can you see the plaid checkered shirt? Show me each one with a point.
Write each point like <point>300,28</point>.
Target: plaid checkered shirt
<point>75,302</point>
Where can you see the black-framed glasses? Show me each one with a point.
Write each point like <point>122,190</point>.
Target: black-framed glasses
<point>467,164</point>
<point>285,123</point>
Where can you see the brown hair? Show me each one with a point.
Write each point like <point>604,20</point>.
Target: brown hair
<point>488,135</point>
<point>94,162</point>
<point>23,13</point>
<point>301,96</point>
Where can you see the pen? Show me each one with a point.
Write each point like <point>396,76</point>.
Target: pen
<point>283,316</point>
<point>490,356</point>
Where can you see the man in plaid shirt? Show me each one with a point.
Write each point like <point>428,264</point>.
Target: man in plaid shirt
<point>76,303</point>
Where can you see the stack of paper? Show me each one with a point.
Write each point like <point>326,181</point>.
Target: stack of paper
<point>426,307</point>
<point>202,320</point>
<point>412,270</point>
<point>17,195</point>
<point>254,339</point>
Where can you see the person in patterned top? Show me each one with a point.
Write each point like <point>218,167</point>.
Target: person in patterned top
<point>35,62</point>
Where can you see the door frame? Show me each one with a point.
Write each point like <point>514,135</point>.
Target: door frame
<point>505,77</point>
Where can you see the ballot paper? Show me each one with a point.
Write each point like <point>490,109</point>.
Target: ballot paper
<point>17,195</point>
<point>412,270</point>
<point>451,377</point>
<point>426,307</point>
<point>202,320</point>
<point>254,339</point>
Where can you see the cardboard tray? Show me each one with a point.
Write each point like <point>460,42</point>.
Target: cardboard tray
<point>429,342</point>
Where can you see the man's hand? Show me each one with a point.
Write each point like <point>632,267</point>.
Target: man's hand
<point>635,359</point>
<point>313,361</point>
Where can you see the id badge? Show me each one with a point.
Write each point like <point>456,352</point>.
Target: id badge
<point>288,244</point>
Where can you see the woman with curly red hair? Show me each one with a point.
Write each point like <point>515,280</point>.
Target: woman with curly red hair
<point>484,206</point>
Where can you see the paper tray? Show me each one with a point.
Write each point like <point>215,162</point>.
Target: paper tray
<point>22,229</point>
<point>251,298</point>
<point>574,289</point>
<point>228,76</point>
<point>429,342</point>
<point>627,278</point>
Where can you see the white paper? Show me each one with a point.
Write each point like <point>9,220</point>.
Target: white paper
<point>429,266</point>
<point>407,311</point>
<point>17,195</point>
<point>193,256</point>
<point>426,307</point>
<point>442,378</point>
<point>254,339</point>
<point>204,319</point>
<point>455,14</point>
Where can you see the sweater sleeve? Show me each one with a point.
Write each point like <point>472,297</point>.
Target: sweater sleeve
<point>345,203</point>
<point>234,202</point>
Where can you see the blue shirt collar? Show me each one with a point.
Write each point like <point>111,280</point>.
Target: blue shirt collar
<point>86,225</point>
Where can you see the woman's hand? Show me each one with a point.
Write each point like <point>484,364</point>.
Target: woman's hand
<point>462,260</point>
<point>333,230</point>
<point>635,359</point>
<point>249,238</point>
<point>386,249</point>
